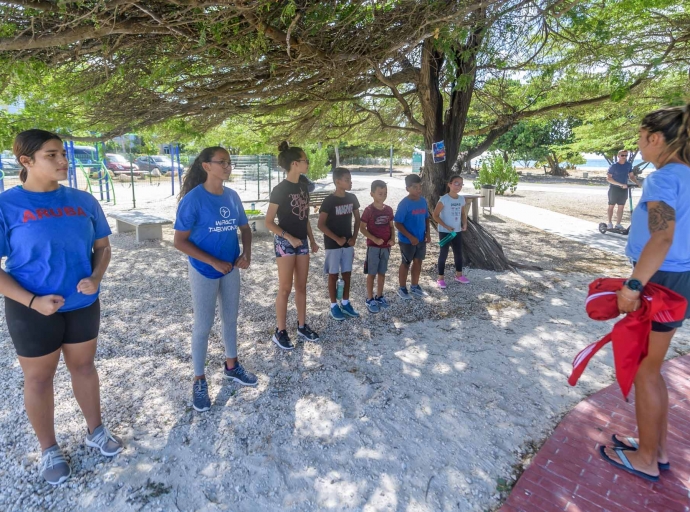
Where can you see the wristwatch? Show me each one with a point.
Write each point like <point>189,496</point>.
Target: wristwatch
<point>634,285</point>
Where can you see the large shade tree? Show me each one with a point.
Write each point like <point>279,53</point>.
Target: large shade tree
<point>442,69</point>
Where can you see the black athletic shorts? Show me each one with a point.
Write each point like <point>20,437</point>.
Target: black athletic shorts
<point>36,335</point>
<point>617,195</point>
<point>678,282</point>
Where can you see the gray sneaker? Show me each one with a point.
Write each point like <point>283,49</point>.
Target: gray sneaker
<point>54,466</point>
<point>108,444</point>
<point>619,226</point>
<point>416,290</point>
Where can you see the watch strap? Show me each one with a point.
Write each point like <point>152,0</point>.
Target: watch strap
<point>634,285</point>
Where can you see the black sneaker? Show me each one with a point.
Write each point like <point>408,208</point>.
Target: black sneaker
<point>282,339</point>
<point>307,334</point>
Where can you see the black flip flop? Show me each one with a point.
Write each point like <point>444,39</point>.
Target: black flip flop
<point>633,446</point>
<point>626,466</point>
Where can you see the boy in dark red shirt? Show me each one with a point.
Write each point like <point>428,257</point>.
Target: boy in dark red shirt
<point>378,227</point>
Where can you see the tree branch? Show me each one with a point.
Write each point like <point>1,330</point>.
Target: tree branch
<point>75,35</point>
<point>383,123</point>
<point>406,106</point>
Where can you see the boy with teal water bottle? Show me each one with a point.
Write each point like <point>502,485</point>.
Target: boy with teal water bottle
<point>335,222</point>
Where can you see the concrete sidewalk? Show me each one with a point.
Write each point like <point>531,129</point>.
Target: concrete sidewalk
<point>565,226</point>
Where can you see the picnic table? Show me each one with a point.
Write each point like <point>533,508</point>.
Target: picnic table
<point>474,199</point>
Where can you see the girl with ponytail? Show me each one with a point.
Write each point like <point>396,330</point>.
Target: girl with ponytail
<point>208,217</point>
<point>659,247</point>
<point>289,202</point>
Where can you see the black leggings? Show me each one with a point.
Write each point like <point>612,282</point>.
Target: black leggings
<point>457,252</point>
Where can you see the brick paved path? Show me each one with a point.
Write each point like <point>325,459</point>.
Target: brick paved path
<point>568,473</point>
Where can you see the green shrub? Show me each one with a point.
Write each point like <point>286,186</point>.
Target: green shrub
<point>499,172</point>
<point>318,158</point>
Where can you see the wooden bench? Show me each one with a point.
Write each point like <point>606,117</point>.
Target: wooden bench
<point>317,197</point>
<point>147,226</point>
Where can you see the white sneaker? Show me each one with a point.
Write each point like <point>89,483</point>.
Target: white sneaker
<point>609,226</point>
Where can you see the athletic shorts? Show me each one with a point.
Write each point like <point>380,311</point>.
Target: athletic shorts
<point>339,260</point>
<point>377,260</point>
<point>36,335</point>
<point>679,282</point>
<point>412,252</point>
<point>617,195</point>
<point>283,247</point>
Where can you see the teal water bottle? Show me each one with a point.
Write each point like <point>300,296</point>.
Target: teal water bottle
<point>447,239</point>
<point>339,288</point>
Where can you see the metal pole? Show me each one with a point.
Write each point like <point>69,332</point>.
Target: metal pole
<point>100,175</point>
<point>172,168</point>
<point>131,177</point>
<point>107,175</point>
<point>258,178</point>
<point>391,167</point>
<point>72,163</point>
<point>179,166</point>
<point>69,165</point>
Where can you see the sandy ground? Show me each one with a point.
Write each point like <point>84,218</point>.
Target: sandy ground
<point>433,405</point>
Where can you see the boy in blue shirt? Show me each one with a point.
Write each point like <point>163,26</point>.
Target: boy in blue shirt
<point>412,223</point>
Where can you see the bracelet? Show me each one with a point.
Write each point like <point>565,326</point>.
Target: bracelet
<point>32,300</point>
<point>282,235</point>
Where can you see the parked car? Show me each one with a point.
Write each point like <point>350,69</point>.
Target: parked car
<point>157,164</point>
<point>10,167</point>
<point>119,164</point>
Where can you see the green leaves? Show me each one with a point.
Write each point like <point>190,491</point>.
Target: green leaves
<point>499,171</point>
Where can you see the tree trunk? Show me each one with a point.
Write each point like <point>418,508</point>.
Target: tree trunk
<point>337,155</point>
<point>556,169</point>
<point>480,248</point>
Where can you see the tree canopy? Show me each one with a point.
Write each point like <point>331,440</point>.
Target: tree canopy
<point>458,71</point>
<point>329,67</point>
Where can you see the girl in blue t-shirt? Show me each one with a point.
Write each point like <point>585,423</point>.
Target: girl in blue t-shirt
<point>56,243</point>
<point>659,247</point>
<point>208,217</point>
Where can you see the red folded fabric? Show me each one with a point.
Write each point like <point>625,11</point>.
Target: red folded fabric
<point>630,335</point>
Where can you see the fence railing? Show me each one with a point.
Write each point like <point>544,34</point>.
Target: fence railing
<point>134,186</point>
<point>378,161</point>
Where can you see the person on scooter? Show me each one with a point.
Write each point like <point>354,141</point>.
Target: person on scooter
<point>618,175</point>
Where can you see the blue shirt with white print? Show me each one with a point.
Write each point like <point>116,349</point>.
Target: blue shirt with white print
<point>670,184</point>
<point>213,221</point>
<point>48,240</point>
